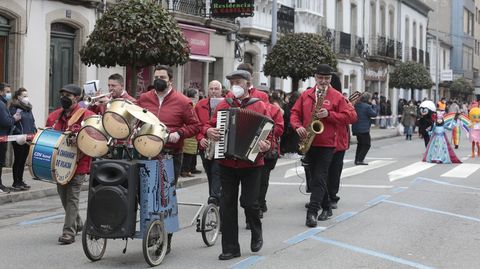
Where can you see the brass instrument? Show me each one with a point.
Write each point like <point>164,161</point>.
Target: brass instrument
<point>90,100</point>
<point>315,125</point>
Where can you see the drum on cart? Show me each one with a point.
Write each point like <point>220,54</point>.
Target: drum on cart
<point>92,139</point>
<point>52,156</point>
<point>117,122</point>
<point>150,139</point>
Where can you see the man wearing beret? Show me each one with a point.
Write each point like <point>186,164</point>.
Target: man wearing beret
<point>69,118</point>
<point>333,112</point>
<point>233,172</point>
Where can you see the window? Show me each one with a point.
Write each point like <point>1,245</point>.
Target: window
<point>414,34</point>
<point>468,22</point>
<point>391,18</point>
<point>4,29</point>
<point>467,58</point>
<point>339,16</point>
<point>383,20</point>
<point>420,46</point>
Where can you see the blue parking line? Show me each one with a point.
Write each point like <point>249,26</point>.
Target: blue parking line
<point>247,262</point>
<point>371,252</point>
<point>344,216</point>
<point>399,189</point>
<point>302,236</point>
<point>444,183</point>
<point>41,219</point>
<point>378,199</point>
<point>433,210</point>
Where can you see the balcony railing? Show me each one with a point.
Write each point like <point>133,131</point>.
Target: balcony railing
<point>360,47</point>
<point>381,46</point>
<point>399,50</point>
<point>427,60</point>
<point>345,44</point>
<point>191,7</point>
<point>330,36</point>
<point>420,56</point>
<point>414,54</point>
<point>391,48</point>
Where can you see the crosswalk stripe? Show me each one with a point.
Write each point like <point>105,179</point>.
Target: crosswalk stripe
<point>352,171</point>
<point>409,170</point>
<point>341,185</point>
<point>297,170</point>
<point>463,170</point>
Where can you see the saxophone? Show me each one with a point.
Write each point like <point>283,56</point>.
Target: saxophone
<point>315,126</point>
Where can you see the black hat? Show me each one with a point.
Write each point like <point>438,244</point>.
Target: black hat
<point>239,74</point>
<point>72,88</point>
<point>324,69</point>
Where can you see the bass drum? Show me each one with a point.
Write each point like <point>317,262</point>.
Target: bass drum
<point>52,157</point>
<point>92,138</point>
<point>150,139</point>
<point>118,123</point>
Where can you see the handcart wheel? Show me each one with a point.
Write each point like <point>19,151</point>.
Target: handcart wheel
<point>155,243</point>
<point>93,246</point>
<point>210,226</point>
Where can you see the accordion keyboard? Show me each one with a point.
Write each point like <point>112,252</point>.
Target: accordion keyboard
<point>222,123</point>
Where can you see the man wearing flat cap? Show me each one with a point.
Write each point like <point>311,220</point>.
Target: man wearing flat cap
<point>252,91</point>
<point>233,172</point>
<point>321,102</point>
<point>69,118</point>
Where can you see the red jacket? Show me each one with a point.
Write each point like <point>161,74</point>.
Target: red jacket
<point>83,166</point>
<point>253,93</point>
<point>259,107</point>
<point>278,128</point>
<point>337,107</point>
<point>343,134</point>
<point>176,113</point>
<point>202,110</point>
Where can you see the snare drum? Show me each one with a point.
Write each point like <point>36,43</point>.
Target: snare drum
<point>150,139</point>
<point>118,123</point>
<point>51,157</point>
<point>92,138</point>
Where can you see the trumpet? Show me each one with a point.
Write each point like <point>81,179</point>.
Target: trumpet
<point>89,100</point>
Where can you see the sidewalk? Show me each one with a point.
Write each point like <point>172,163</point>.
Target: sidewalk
<point>40,189</point>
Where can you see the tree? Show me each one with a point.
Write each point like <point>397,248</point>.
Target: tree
<point>410,75</point>
<point>461,87</point>
<point>135,33</point>
<point>297,56</point>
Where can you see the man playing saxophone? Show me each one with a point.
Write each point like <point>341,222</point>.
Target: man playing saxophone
<point>316,116</point>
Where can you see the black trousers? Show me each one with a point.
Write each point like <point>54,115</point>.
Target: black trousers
<point>3,154</point>
<point>363,146</point>
<point>334,174</point>
<point>212,169</point>
<point>21,153</point>
<point>188,162</point>
<point>264,179</point>
<point>319,163</point>
<point>177,165</point>
<point>231,179</point>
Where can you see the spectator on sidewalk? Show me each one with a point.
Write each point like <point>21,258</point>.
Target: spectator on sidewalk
<point>365,111</point>
<point>7,121</point>
<point>190,145</point>
<point>409,119</point>
<point>21,105</point>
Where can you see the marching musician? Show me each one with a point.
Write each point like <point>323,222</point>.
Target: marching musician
<point>174,110</point>
<point>69,118</point>
<point>204,110</point>
<point>334,109</point>
<point>233,172</point>
<point>116,87</point>
<point>252,91</point>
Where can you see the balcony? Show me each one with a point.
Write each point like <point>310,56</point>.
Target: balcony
<point>330,36</point>
<point>360,49</point>
<point>399,50</point>
<point>191,7</point>
<point>420,56</point>
<point>381,46</point>
<point>390,48</point>
<point>427,60</point>
<point>345,43</point>
<point>414,54</point>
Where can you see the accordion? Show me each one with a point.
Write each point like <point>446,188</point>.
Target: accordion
<point>240,132</point>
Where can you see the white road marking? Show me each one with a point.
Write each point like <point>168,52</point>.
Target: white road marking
<point>282,163</point>
<point>298,170</point>
<point>463,170</point>
<point>378,158</point>
<point>341,185</point>
<point>409,170</point>
<point>359,169</point>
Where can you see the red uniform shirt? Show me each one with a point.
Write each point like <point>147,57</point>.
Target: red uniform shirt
<point>203,111</point>
<point>343,134</point>
<point>176,112</point>
<point>83,166</point>
<point>278,128</point>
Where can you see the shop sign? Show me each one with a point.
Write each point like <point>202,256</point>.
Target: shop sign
<point>199,42</point>
<point>231,8</point>
<point>376,72</point>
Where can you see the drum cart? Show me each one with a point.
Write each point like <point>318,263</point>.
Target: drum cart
<point>156,218</point>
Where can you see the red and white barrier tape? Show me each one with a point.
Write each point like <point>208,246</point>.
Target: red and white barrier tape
<point>10,138</point>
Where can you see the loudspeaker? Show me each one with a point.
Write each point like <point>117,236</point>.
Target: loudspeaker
<point>112,206</point>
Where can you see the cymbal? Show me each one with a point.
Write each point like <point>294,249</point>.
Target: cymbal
<point>142,114</point>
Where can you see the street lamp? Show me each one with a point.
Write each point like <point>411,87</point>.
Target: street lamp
<point>437,56</point>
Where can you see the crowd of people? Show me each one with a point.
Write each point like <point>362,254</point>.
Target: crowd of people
<point>192,124</point>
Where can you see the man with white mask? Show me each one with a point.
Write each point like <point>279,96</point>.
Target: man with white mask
<point>234,171</point>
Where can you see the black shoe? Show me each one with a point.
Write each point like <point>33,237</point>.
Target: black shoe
<point>196,171</point>
<point>260,214</point>
<point>256,245</point>
<point>311,220</point>
<point>213,200</point>
<point>66,239</point>
<point>361,163</point>
<point>456,146</point>
<point>17,188</point>
<point>264,208</point>
<point>228,256</point>
<point>4,189</point>
<point>25,185</point>
<point>307,205</point>
<point>333,205</point>
<point>247,226</point>
<point>326,214</point>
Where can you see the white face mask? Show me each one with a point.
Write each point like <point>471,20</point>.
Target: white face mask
<point>25,100</point>
<point>238,91</point>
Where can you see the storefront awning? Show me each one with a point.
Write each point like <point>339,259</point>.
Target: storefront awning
<point>202,58</point>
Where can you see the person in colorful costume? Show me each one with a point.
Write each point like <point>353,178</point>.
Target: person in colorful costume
<point>439,149</point>
<point>474,116</point>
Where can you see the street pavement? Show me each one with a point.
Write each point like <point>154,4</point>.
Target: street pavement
<point>41,189</point>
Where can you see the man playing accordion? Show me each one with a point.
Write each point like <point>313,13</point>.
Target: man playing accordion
<point>235,171</point>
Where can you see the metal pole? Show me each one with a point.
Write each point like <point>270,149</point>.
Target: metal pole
<point>274,37</point>
<point>437,64</point>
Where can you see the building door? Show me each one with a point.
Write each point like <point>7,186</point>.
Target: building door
<point>4,29</point>
<point>61,61</point>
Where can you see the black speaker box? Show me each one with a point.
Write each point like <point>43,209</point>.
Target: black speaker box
<point>112,205</point>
